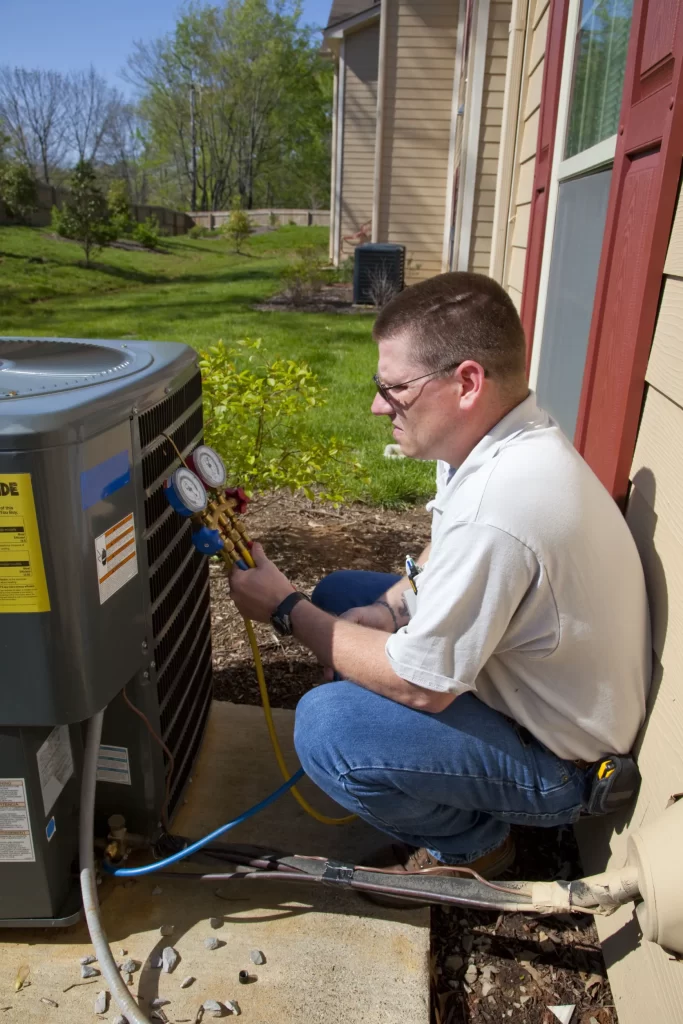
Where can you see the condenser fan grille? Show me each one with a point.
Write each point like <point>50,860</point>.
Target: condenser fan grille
<point>180,618</point>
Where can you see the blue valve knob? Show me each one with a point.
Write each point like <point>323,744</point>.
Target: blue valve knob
<point>209,542</point>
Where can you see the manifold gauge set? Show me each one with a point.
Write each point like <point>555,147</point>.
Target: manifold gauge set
<point>197,490</point>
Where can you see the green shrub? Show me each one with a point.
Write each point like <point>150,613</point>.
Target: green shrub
<point>18,190</point>
<point>197,231</point>
<point>237,227</point>
<point>343,274</point>
<point>304,277</point>
<point>147,233</point>
<point>256,417</point>
<point>273,219</point>
<point>57,222</point>
<point>118,203</point>
<point>85,216</point>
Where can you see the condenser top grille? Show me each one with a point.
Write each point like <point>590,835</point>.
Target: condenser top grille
<point>35,366</point>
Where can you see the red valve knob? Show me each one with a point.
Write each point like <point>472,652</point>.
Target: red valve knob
<point>239,497</point>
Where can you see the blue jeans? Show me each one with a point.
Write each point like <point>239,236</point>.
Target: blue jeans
<point>451,782</point>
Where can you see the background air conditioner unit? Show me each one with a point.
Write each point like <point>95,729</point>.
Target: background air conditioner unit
<point>379,267</point>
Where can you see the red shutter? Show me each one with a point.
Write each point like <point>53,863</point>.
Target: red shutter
<point>642,201</point>
<point>550,96</point>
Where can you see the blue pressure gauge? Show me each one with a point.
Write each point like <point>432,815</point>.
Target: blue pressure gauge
<point>185,492</point>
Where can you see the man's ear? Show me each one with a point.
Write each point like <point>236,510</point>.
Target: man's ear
<point>471,376</point>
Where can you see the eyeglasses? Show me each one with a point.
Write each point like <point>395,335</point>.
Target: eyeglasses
<point>384,389</point>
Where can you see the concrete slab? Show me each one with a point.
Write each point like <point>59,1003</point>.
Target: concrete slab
<point>329,955</point>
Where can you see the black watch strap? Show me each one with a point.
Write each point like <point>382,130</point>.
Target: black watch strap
<point>281,619</point>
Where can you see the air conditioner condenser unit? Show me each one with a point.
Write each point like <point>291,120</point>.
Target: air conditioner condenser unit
<point>100,589</point>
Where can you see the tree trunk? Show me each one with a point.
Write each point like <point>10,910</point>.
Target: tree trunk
<point>193,143</point>
<point>46,172</point>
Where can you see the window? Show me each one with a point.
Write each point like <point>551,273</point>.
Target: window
<point>579,227</point>
<point>593,67</point>
<point>598,73</point>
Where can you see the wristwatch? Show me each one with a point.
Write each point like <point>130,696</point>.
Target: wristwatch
<point>281,619</point>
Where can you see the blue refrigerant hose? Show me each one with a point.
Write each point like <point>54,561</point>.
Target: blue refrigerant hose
<point>148,869</point>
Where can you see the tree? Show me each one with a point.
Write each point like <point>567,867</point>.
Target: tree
<point>17,189</point>
<point>89,108</point>
<point>237,101</point>
<point>32,109</point>
<point>238,226</point>
<point>85,217</point>
<point>126,153</point>
<point>118,204</point>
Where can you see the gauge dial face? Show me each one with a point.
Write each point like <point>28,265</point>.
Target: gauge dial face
<point>190,489</point>
<point>209,467</point>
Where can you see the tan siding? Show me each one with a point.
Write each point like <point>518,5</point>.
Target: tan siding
<point>492,101</point>
<point>525,181</point>
<point>665,370</point>
<point>646,983</point>
<point>360,114</point>
<point>530,137</point>
<point>516,297</point>
<point>497,48</point>
<point>674,256</point>
<point>540,7</point>
<point>516,268</point>
<point>534,86</point>
<point>490,132</point>
<point>520,230</point>
<point>494,116</point>
<point>538,39</point>
<point>420,63</point>
<point>525,150</point>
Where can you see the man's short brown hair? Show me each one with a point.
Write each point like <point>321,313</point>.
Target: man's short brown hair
<point>458,316</point>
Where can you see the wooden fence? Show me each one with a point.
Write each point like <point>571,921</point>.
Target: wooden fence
<point>264,218</point>
<point>171,222</point>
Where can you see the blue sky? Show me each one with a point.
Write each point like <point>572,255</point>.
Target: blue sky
<point>72,34</point>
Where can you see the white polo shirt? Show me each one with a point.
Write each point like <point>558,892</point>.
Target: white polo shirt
<point>533,597</point>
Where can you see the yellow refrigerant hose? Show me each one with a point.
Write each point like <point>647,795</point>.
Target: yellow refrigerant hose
<point>265,701</point>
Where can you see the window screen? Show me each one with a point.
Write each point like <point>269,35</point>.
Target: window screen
<point>598,73</point>
<point>579,227</point>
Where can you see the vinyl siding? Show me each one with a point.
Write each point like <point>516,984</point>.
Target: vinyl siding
<point>489,145</point>
<point>358,148</point>
<point>525,158</point>
<point>646,982</point>
<point>420,63</point>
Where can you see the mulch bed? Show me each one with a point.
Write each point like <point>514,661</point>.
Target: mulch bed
<point>523,964</point>
<point>332,298</point>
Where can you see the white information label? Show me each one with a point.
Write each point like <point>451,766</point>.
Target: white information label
<point>113,765</point>
<point>55,765</point>
<point>117,557</point>
<point>16,842</point>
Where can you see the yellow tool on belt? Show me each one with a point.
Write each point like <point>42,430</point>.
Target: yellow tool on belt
<point>613,782</point>
<point>197,490</point>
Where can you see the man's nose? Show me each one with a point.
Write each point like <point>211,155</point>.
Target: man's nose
<point>380,406</point>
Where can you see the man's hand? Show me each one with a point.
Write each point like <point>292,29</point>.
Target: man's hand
<point>375,616</point>
<point>257,592</point>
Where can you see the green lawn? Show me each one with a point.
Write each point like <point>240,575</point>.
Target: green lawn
<point>197,291</point>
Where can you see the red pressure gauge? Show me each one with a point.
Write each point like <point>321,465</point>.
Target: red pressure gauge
<point>209,467</point>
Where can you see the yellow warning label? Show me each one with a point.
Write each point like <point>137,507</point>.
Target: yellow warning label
<point>23,587</point>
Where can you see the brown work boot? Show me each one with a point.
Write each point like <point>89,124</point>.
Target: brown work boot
<point>398,858</point>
